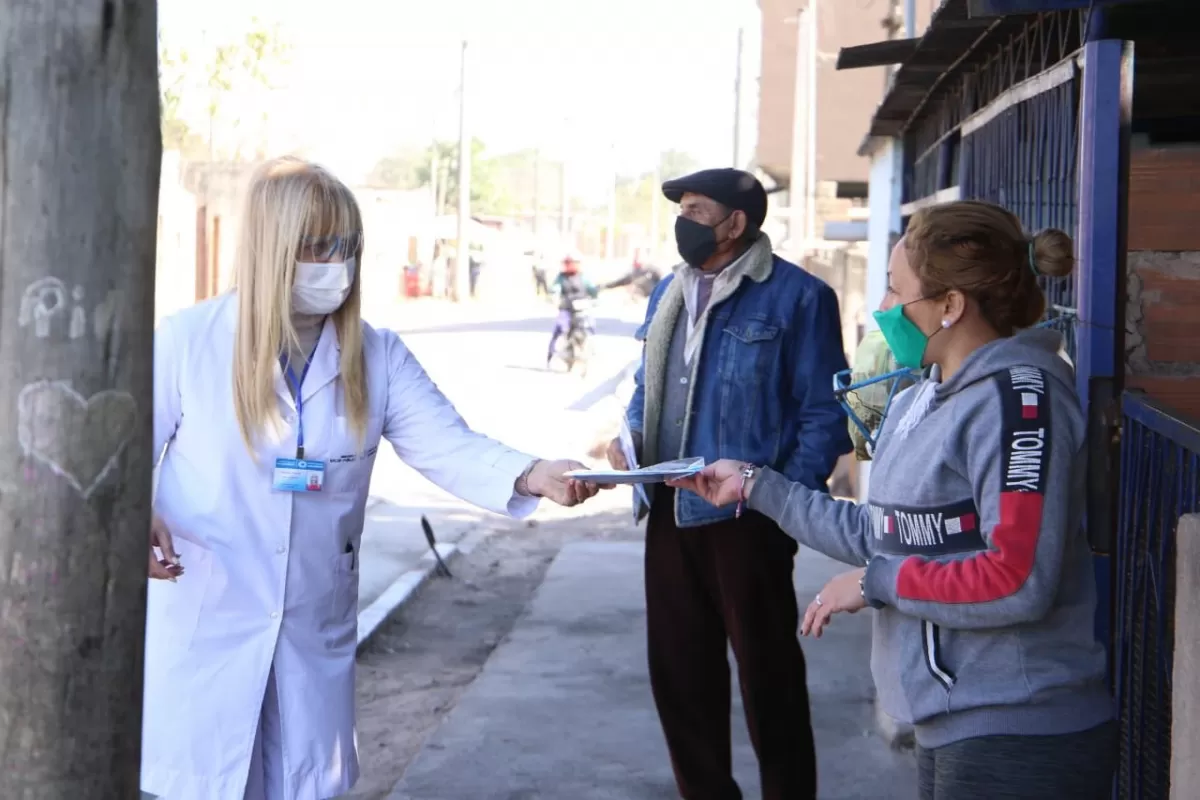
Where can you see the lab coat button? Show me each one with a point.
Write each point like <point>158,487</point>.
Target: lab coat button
<point>683,381</point>
<point>281,549</point>
<point>274,615</point>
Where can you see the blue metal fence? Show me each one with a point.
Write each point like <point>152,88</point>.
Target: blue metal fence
<point>1025,158</point>
<point>1160,482</point>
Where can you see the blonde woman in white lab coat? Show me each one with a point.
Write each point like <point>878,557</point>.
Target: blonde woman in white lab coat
<point>272,401</point>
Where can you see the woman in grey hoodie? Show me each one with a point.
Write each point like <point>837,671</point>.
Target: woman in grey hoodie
<point>971,545</point>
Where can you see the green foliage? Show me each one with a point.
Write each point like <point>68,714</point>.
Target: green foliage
<point>246,62</point>
<point>410,168</point>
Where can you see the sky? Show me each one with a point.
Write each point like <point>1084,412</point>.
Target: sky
<point>607,85</point>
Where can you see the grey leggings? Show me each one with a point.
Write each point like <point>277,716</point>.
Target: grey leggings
<point>1078,766</point>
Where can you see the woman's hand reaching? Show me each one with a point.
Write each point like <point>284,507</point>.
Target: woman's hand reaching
<point>720,483</point>
<point>547,479</point>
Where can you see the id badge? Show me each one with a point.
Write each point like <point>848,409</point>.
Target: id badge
<point>298,475</point>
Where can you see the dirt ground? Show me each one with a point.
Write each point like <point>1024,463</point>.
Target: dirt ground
<point>417,666</point>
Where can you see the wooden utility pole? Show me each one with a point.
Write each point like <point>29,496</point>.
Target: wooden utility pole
<point>737,100</point>
<point>462,247</point>
<point>80,153</point>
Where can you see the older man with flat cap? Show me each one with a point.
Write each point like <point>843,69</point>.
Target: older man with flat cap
<point>740,352</point>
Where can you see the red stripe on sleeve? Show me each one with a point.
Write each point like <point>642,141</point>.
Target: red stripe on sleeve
<point>990,575</point>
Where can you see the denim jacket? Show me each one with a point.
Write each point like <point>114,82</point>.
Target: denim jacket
<point>762,385</point>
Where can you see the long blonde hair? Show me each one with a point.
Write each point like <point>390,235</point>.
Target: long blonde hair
<point>289,199</point>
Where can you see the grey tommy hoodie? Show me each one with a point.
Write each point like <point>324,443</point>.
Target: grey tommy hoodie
<point>976,553</point>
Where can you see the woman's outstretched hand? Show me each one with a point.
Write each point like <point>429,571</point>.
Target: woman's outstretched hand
<point>548,479</point>
<point>720,483</point>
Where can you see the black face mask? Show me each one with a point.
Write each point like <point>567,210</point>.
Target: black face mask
<point>696,241</point>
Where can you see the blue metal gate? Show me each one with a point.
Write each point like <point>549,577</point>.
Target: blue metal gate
<point>1007,131</point>
<point>1160,482</point>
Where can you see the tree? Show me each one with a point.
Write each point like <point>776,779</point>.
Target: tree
<point>676,163</point>
<point>408,169</point>
<point>245,63</point>
<point>80,137</point>
<point>400,170</point>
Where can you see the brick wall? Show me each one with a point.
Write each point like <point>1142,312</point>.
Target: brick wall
<point>1162,338</point>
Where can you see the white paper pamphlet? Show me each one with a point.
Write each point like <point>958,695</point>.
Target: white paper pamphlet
<point>659,473</point>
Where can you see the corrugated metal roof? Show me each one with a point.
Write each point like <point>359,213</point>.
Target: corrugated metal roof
<point>946,44</point>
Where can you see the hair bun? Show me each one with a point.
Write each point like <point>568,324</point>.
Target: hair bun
<point>1052,253</point>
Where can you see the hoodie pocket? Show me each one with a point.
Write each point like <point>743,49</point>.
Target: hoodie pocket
<point>931,645</point>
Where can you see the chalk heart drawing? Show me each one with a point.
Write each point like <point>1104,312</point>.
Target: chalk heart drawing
<point>80,439</point>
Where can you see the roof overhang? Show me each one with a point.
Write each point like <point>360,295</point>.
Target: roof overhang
<point>957,29</point>
<point>1002,8</point>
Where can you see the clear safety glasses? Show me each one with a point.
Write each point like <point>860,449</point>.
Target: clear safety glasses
<point>322,249</point>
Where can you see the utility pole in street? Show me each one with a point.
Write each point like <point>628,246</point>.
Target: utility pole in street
<point>812,100</point>
<point>797,181</point>
<point>737,102</point>
<point>537,191</point>
<point>435,174</point>
<point>79,183</point>
<point>610,230</point>
<point>462,246</point>
<point>656,210</point>
<point>564,222</point>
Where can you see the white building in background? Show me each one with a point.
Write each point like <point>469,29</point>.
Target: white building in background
<point>175,264</point>
<point>198,210</point>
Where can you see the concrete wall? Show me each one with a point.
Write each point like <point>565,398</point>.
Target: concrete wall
<point>1163,276</point>
<point>1185,677</point>
<point>883,225</point>
<point>883,229</point>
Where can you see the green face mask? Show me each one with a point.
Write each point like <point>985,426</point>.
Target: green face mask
<point>905,339</point>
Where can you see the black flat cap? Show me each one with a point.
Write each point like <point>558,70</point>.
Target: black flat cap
<point>732,188</point>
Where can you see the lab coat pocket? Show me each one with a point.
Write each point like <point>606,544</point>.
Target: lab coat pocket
<point>174,608</point>
<point>348,469</point>
<point>344,608</point>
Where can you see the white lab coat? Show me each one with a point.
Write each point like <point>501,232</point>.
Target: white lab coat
<point>268,579</point>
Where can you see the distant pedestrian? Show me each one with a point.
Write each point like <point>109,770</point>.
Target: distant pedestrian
<point>474,265</point>
<point>539,280</point>
<point>975,553</point>
<point>741,349</point>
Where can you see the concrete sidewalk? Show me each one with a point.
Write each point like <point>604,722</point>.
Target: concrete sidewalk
<point>563,707</point>
<point>396,558</point>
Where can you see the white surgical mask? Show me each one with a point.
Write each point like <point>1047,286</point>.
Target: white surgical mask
<point>321,288</point>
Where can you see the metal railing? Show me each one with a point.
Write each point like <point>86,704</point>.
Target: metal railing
<point>1024,156</point>
<point>1160,482</point>
<point>1006,130</point>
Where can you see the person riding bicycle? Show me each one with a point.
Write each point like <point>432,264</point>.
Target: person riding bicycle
<point>571,288</point>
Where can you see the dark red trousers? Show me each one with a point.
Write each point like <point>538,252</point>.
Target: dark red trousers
<point>727,582</point>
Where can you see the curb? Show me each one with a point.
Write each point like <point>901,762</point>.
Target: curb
<point>371,618</point>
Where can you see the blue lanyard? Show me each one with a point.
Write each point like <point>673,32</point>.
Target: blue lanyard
<point>298,383</point>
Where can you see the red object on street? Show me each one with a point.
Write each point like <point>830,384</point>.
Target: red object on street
<point>412,282</point>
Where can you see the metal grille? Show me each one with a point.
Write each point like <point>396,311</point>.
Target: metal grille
<point>1026,159</point>
<point>1160,482</point>
<point>1025,156</point>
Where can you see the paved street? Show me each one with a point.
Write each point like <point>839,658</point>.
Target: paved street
<point>490,361</point>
